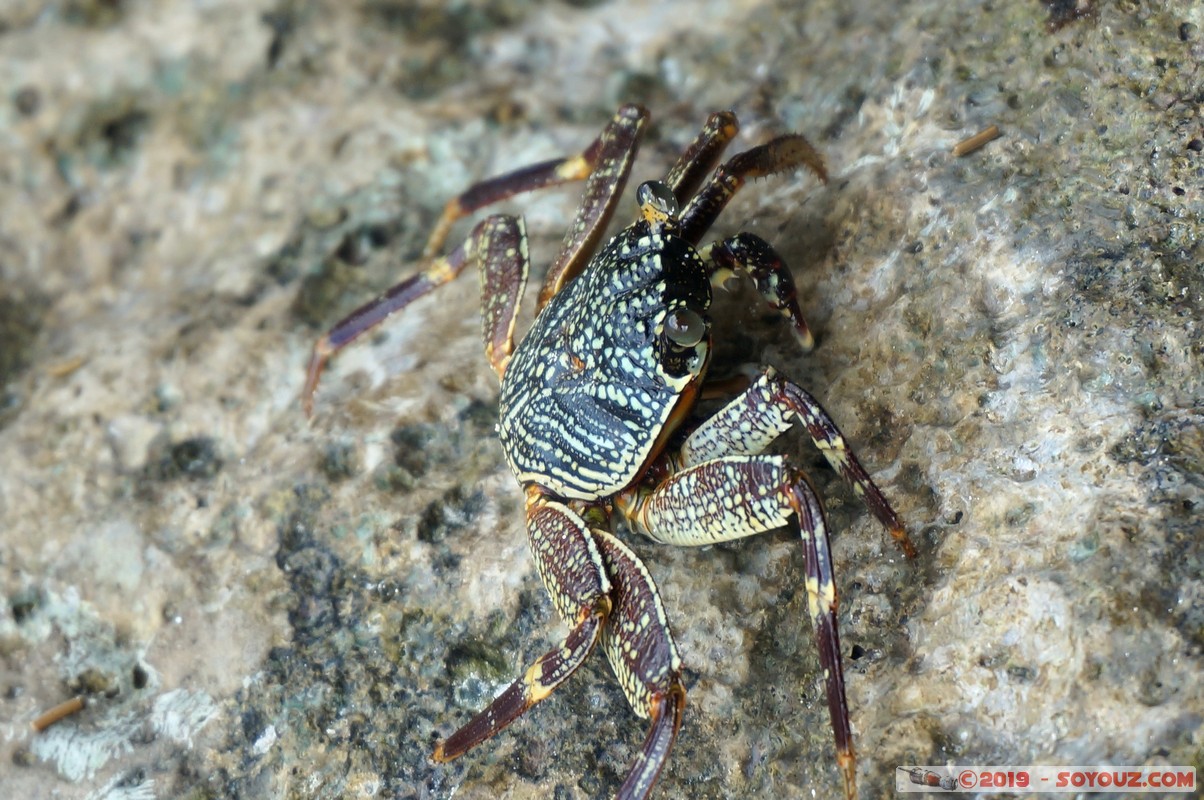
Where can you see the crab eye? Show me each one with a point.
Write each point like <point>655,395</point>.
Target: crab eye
<point>657,202</point>
<point>685,328</point>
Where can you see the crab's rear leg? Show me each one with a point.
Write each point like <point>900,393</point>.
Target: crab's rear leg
<point>609,154</point>
<point>498,244</point>
<point>738,496</point>
<point>644,658</point>
<point>573,571</point>
<point>720,488</point>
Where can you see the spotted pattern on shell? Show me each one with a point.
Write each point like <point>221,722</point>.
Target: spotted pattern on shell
<point>596,378</point>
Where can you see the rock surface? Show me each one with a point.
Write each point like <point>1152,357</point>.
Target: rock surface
<point>259,606</point>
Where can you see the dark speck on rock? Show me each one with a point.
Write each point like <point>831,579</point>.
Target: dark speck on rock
<point>23,757</point>
<point>20,321</point>
<point>93,681</point>
<point>476,658</point>
<point>453,511</point>
<point>1064,12</point>
<point>195,459</point>
<point>253,723</point>
<point>340,460</point>
<point>532,756</point>
<point>422,446</point>
<point>27,100</point>
<point>24,604</point>
<point>480,416</point>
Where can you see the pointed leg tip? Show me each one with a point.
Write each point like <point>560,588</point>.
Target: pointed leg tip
<point>440,755</point>
<point>806,341</point>
<point>899,534</point>
<point>317,362</point>
<point>848,769</point>
<point>307,401</point>
<point>666,711</point>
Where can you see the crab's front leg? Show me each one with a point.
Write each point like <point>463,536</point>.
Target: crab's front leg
<point>720,489</point>
<point>766,410</point>
<point>738,496</point>
<point>743,253</point>
<point>602,591</point>
<point>751,255</point>
<point>779,155</point>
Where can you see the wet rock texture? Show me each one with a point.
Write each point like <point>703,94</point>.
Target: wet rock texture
<point>258,606</point>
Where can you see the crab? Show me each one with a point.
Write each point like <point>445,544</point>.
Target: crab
<point>596,414</point>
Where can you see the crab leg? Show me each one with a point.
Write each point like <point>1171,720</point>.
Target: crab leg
<point>751,254</point>
<point>600,588</point>
<point>609,156</point>
<point>498,244</point>
<point>766,410</point>
<point>502,253</point>
<point>737,496</point>
<point>609,162</point>
<point>778,155</point>
<point>701,155</point>
<point>643,657</point>
<point>569,561</point>
<point>553,172</point>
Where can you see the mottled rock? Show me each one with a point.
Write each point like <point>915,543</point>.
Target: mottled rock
<point>259,605</point>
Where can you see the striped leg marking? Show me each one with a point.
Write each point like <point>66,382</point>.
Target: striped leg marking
<point>572,569</point>
<point>738,496</point>
<point>767,409</point>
